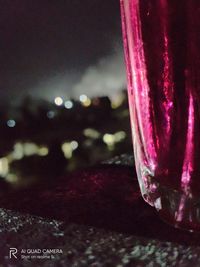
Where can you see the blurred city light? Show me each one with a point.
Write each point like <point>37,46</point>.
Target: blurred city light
<point>83,98</point>
<point>11,178</point>
<point>111,139</point>
<point>11,123</point>
<point>74,145</point>
<point>119,136</point>
<point>87,103</point>
<point>92,133</point>
<point>51,114</point>
<point>43,151</point>
<point>27,149</point>
<point>117,100</point>
<point>18,152</point>
<point>4,167</point>
<point>84,135</point>
<point>67,150</point>
<point>69,104</point>
<point>58,101</point>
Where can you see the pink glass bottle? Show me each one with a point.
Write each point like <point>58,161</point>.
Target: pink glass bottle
<point>162,53</point>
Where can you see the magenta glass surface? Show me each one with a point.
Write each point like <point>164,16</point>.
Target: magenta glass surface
<point>162,52</point>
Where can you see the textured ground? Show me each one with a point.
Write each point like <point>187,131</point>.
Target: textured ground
<point>96,218</point>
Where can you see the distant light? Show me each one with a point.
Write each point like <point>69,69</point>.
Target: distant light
<point>109,139</point>
<point>91,133</point>
<point>67,150</point>
<point>58,101</point>
<point>87,103</point>
<point>74,145</point>
<point>29,149</point>
<point>83,98</point>
<point>119,136</point>
<point>18,152</point>
<point>12,178</point>
<point>11,123</point>
<point>43,151</point>
<point>51,114</point>
<point>117,100</point>
<point>4,167</point>
<point>69,104</point>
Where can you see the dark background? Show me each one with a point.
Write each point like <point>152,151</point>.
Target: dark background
<point>62,88</point>
<point>48,47</point>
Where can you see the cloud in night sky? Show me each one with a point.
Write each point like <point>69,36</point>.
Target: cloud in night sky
<point>106,77</point>
<point>61,48</point>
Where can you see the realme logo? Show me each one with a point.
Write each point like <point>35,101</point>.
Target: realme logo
<point>12,253</point>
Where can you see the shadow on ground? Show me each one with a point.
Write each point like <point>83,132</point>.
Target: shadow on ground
<point>106,196</point>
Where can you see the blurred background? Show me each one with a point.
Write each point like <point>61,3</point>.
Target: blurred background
<point>63,102</point>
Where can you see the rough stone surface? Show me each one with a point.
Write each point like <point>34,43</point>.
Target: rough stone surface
<point>86,246</point>
<point>124,160</point>
<point>95,217</point>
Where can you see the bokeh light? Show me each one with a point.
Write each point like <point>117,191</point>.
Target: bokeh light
<point>74,145</point>
<point>58,101</point>
<point>69,104</point>
<point>83,98</point>
<point>51,114</point>
<point>11,123</point>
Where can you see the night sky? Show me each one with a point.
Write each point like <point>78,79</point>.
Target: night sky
<point>63,47</point>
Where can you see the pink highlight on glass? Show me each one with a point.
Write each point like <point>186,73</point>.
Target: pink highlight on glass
<point>139,97</point>
<point>188,165</point>
<point>162,55</point>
